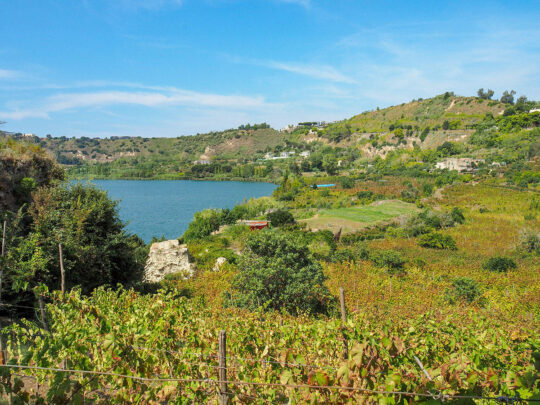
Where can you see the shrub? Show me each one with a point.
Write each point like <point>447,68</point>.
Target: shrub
<point>436,240</point>
<point>321,244</point>
<point>427,189</point>
<point>457,215</point>
<point>409,195</point>
<point>203,224</point>
<point>389,259</point>
<point>463,289</point>
<point>277,272</point>
<point>365,195</point>
<point>530,241</point>
<point>280,217</point>
<point>499,264</point>
<point>344,255</point>
<point>346,182</point>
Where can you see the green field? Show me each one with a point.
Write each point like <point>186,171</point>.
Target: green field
<point>354,218</point>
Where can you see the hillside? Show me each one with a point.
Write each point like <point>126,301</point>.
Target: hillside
<point>405,132</point>
<point>23,168</point>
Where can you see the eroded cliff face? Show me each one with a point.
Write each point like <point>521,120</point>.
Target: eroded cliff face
<point>19,161</point>
<point>168,257</point>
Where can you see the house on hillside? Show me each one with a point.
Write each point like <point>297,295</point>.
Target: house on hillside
<point>305,154</point>
<point>202,162</point>
<point>459,164</point>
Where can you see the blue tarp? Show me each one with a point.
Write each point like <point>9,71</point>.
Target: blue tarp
<point>325,185</point>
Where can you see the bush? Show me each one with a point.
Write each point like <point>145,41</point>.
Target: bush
<point>436,240</point>
<point>391,260</point>
<point>427,189</point>
<point>203,224</point>
<point>344,255</point>
<point>346,182</point>
<point>280,217</point>
<point>457,215</point>
<point>499,264</point>
<point>321,244</point>
<point>530,241</point>
<point>463,289</point>
<point>365,195</point>
<point>277,272</point>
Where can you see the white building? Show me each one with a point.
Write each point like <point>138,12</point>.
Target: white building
<point>459,164</point>
<point>305,153</point>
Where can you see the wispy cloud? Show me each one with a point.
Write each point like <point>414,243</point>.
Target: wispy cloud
<point>303,3</point>
<point>313,70</point>
<point>322,72</point>
<point>9,74</point>
<point>157,96</point>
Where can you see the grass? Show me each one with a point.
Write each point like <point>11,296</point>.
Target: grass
<point>354,218</point>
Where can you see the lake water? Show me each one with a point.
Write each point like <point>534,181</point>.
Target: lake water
<point>166,207</point>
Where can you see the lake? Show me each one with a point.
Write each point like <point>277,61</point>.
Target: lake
<point>166,207</point>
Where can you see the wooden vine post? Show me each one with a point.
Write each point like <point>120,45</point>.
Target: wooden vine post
<point>3,351</point>
<point>42,312</point>
<point>62,273</point>
<point>343,323</point>
<point>223,398</point>
<point>3,253</point>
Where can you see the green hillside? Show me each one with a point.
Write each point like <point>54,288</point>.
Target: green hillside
<point>416,134</point>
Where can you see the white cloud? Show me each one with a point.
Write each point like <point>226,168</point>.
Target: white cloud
<point>9,74</point>
<point>322,72</point>
<point>303,3</point>
<point>160,96</point>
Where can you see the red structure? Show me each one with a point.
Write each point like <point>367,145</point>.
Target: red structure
<point>256,224</point>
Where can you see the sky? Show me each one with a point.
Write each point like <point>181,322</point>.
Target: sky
<point>101,68</point>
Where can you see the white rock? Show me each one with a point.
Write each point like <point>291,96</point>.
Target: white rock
<point>220,261</point>
<point>168,257</point>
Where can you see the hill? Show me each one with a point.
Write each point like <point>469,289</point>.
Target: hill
<point>402,133</point>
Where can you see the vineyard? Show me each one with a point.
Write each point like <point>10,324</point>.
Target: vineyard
<point>122,347</point>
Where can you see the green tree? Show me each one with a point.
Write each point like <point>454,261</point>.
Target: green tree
<point>486,95</point>
<point>96,249</point>
<point>508,97</point>
<point>280,217</point>
<point>330,165</point>
<point>277,272</point>
<point>346,182</point>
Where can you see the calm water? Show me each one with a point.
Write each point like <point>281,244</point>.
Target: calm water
<point>166,207</point>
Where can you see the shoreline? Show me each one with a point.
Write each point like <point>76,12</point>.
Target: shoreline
<point>239,179</point>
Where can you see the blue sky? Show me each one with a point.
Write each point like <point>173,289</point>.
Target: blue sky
<point>176,67</point>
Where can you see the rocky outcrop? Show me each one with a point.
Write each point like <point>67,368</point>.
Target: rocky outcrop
<point>220,262</point>
<point>168,257</point>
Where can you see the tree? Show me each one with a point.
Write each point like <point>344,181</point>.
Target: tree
<point>485,95</point>
<point>96,249</point>
<point>277,272</point>
<point>508,97</point>
<point>346,182</point>
<point>445,125</point>
<point>280,217</point>
<point>330,165</point>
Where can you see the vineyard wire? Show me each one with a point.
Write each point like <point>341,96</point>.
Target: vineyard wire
<point>282,363</point>
<point>276,385</point>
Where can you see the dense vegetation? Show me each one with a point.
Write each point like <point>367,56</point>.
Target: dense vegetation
<point>439,267</point>
<point>41,213</point>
